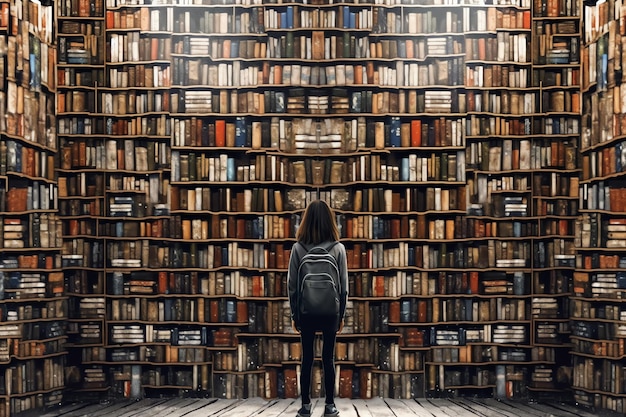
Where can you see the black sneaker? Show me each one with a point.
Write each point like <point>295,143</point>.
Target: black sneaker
<point>330,410</point>
<point>305,410</point>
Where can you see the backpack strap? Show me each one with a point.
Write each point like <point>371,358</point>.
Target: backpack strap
<point>327,246</point>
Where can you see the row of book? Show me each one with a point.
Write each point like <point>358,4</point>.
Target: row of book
<point>23,403</point>
<point>81,77</point>
<point>364,200</point>
<point>501,126</point>
<point>610,379</point>
<point>509,155</point>
<point>150,333</point>
<point>30,376</point>
<point>131,125</point>
<point>154,74</point>
<point>148,354</point>
<point>17,157</point>
<point>274,284</point>
<point>21,262</point>
<point>35,230</point>
<point>113,155</point>
<point>604,162</point>
<point>261,18</point>
<point>485,254</point>
<point>30,285</point>
<point>199,71</point>
<point>354,46</point>
<point>276,227</point>
<point>608,349</point>
<point>298,135</point>
<point>352,383</point>
<point>412,168</point>
<point>43,310</point>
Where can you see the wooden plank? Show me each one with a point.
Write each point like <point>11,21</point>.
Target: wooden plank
<point>476,409</point>
<point>417,408</point>
<point>166,409</point>
<point>245,407</point>
<point>276,408</point>
<point>213,408</point>
<point>112,409</point>
<point>448,407</point>
<point>193,404</point>
<point>361,408</point>
<point>345,407</point>
<point>399,408</point>
<point>379,408</point>
<point>514,406</point>
<point>55,412</point>
<point>505,409</point>
<point>430,407</point>
<point>555,409</point>
<point>87,411</point>
<point>135,408</point>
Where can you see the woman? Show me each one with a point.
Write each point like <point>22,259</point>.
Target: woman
<point>317,228</point>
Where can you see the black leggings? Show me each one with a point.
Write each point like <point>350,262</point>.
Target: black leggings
<point>307,336</point>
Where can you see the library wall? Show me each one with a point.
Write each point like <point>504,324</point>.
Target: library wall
<point>33,304</point>
<point>173,146</point>
<point>597,307</point>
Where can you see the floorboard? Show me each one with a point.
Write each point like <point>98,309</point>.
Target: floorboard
<point>345,407</point>
<point>399,408</point>
<point>375,407</point>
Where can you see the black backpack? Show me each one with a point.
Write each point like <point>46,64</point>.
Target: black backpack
<point>318,281</point>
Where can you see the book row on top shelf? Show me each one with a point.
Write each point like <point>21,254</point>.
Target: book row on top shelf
<point>561,6</point>
<point>367,17</point>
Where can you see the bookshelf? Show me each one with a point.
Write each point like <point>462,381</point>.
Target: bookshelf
<point>33,305</point>
<point>596,306</point>
<point>445,136</point>
<point>80,74</point>
<point>557,28</point>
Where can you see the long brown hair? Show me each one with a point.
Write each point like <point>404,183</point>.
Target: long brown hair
<point>318,224</point>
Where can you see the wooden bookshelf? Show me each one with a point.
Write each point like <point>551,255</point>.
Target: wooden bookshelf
<point>445,137</point>
<point>80,74</point>
<point>34,307</point>
<point>597,340</point>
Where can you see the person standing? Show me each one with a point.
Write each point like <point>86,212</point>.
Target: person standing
<point>318,228</point>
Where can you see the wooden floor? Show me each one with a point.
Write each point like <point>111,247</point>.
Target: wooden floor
<point>377,407</point>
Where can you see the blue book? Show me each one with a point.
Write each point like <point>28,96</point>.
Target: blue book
<point>231,311</point>
<point>346,17</point>
<point>167,313</point>
<point>225,256</point>
<point>401,49</point>
<point>283,20</point>
<point>289,17</point>
<point>231,169</point>
<point>241,132</point>
<point>394,132</point>
<point>405,311</point>
<point>18,157</point>
<point>404,169</point>
<point>234,50</point>
<point>352,23</point>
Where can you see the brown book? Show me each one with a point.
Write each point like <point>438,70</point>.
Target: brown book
<point>317,45</point>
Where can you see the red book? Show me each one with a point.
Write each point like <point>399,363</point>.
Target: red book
<point>473,282</point>
<point>416,133</point>
<point>162,288</point>
<point>220,133</point>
